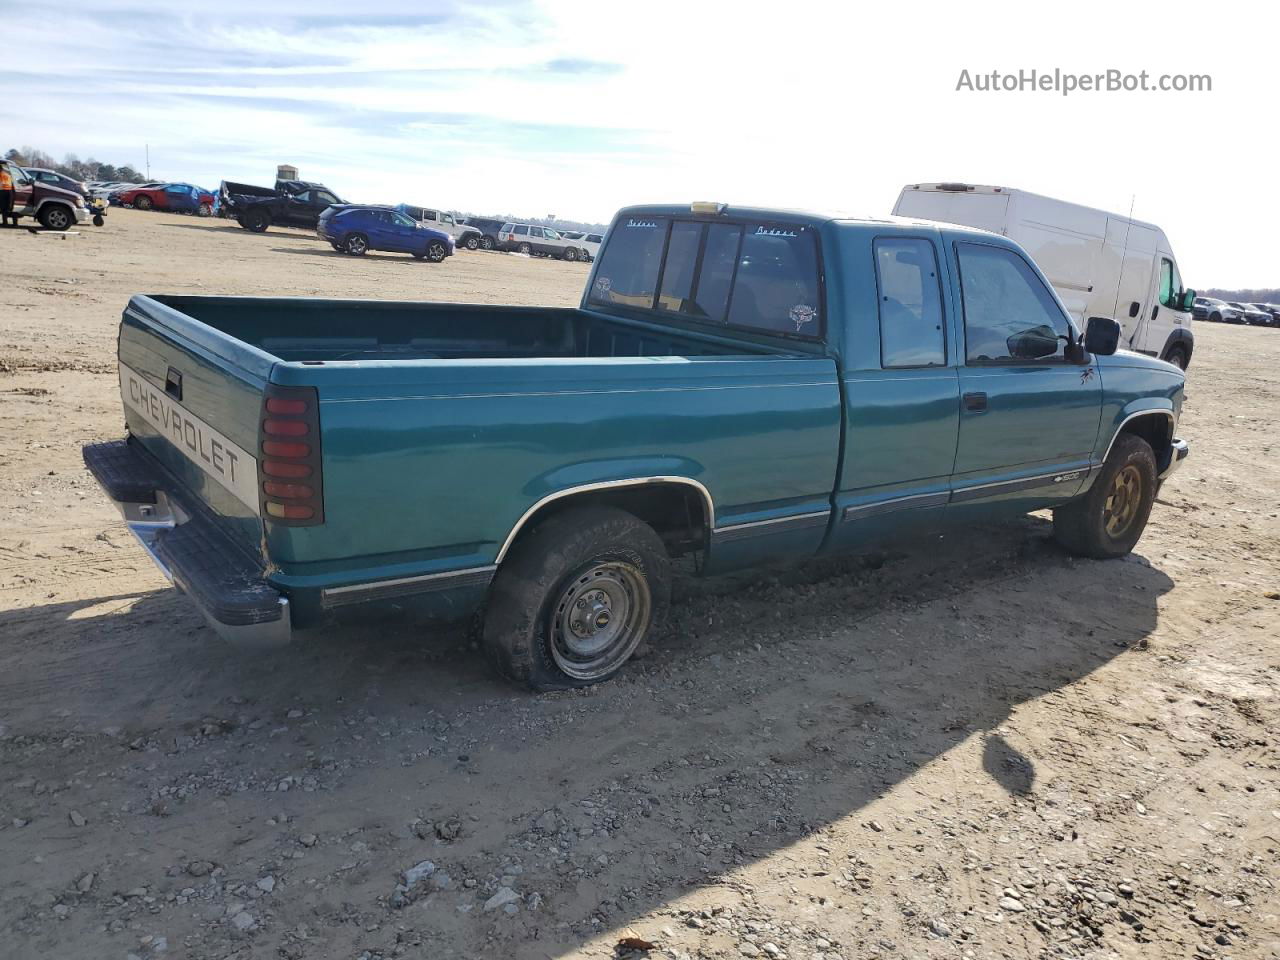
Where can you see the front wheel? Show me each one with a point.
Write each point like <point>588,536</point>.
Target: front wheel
<point>1108,521</point>
<point>56,217</point>
<point>1178,357</point>
<point>575,598</point>
<point>205,210</point>
<point>472,242</point>
<point>571,254</point>
<point>1215,318</point>
<point>486,243</point>
<point>436,251</point>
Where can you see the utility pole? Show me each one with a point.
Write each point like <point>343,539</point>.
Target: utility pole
<point>148,162</point>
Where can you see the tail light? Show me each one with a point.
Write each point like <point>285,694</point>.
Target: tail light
<point>290,485</point>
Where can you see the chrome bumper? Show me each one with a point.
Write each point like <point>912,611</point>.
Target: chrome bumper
<point>188,549</point>
<point>1176,456</point>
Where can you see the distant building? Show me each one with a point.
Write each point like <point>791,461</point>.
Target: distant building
<point>286,171</point>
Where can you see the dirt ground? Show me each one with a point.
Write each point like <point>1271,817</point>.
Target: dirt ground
<point>973,747</point>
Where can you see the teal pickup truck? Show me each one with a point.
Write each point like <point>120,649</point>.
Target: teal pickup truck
<point>742,385</point>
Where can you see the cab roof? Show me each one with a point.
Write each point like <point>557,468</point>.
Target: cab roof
<point>785,215</point>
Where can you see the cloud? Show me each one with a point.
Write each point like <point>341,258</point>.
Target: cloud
<point>582,108</point>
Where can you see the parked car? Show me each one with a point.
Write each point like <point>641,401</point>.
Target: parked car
<point>1216,311</point>
<point>535,240</point>
<point>357,229</point>
<point>57,179</point>
<point>488,228</point>
<point>591,241</point>
<point>1071,244</point>
<point>54,207</point>
<point>463,235</point>
<point>1270,311</point>
<point>169,197</point>
<point>293,203</point>
<point>289,459</point>
<point>1251,315</point>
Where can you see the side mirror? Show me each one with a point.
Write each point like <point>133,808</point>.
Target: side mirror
<point>1188,300</point>
<point>1034,344</point>
<point>1101,336</point>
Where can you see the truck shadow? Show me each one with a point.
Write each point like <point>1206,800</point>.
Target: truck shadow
<point>775,707</point>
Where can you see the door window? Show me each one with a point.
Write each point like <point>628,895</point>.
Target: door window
<point>1170,284</point>
<point>910,303</point>
<point>324,196</point>
<point>521,230</point>
<point>1009,314</point>
<point>401,220</point>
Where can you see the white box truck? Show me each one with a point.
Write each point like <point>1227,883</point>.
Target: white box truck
<point>1101,264</point>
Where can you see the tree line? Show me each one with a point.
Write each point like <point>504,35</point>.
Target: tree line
<point>1261,295</point>
<point>72,166</point>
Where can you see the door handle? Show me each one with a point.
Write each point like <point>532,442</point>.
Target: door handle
<point>173,384</point>
<point>1154,311</point>
<point>975,401</point>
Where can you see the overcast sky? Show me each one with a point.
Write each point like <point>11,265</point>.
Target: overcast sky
<point>578,108</point>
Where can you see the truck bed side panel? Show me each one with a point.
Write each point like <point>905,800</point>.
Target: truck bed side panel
<point>435,477</point>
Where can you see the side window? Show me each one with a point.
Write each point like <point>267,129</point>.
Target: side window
<point>323,196</point>
<point>628,271</point>
<point>522,230</point>
<point>402,221</point>
<point>1009,314</point>
<point>910,304</point>
<point>303,197</point>
<point>1170,284</point>
<point>775,288</point>
<point>679,267</point>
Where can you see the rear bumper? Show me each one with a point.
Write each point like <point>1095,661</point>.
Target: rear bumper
<point>226,584</point>
<point>1177,455</point>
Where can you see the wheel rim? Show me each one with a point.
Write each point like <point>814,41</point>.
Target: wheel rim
<point>58,219</point>
<point>1122,501</point>
<point>1179,360</point>
<point>570,255</point>
<point>472,243</point>
<point>486,243</point>
<point>525,248</point>
<point>355,245</point>
<point>435,252</point>
<point>599,619</point>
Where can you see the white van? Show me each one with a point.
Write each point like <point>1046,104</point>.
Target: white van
<point>1101,264</point>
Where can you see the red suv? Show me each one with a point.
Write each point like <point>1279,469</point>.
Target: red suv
<point>55,207</point>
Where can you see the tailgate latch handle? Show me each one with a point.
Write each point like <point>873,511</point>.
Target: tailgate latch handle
<point>173,384</point>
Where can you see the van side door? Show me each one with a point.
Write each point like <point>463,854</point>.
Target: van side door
<point>1029,417</point>
<point>901,399</point>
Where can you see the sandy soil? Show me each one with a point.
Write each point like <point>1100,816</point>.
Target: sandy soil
<point>971,748</point>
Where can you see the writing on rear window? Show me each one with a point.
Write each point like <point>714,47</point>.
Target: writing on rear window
<point>756,276</point>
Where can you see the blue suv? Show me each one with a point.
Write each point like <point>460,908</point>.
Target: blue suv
<point>358,229</point>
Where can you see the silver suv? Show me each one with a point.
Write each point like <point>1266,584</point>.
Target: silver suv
<point>540,241</point>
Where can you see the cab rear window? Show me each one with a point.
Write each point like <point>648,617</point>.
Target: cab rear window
<point>756,276</point>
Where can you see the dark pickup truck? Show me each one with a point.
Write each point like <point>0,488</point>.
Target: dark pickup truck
<point>293,203</point>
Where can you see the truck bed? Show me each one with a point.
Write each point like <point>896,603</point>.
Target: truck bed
<point>328,331</point>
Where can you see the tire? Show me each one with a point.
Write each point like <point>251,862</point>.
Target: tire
<point>599,561</point>
<point>205,210</point>
<point>1215,318</point>
<point>357,245</point>
<point>256,220</point>
<point>570,254</point>
<point>1108,521</point>
<point>486,243</point>
<point>525,249</point>
<point>1178,357</point>
<point>143,202</point>
<point>437,251</point>
<point>98,220</point>
<point>54,216</point>
<point>472,242</point>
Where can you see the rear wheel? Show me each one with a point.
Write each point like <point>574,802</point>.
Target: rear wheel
<point>357,245</point>
<point>1108,521</point>
<point>486,243</point>
<point>575,598</point>
<point>437,251</point>
<point>142,202</point>
<point>256,220</point>
<point>205,210</point>
<point>55,216</point>
<point>525,249</point>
